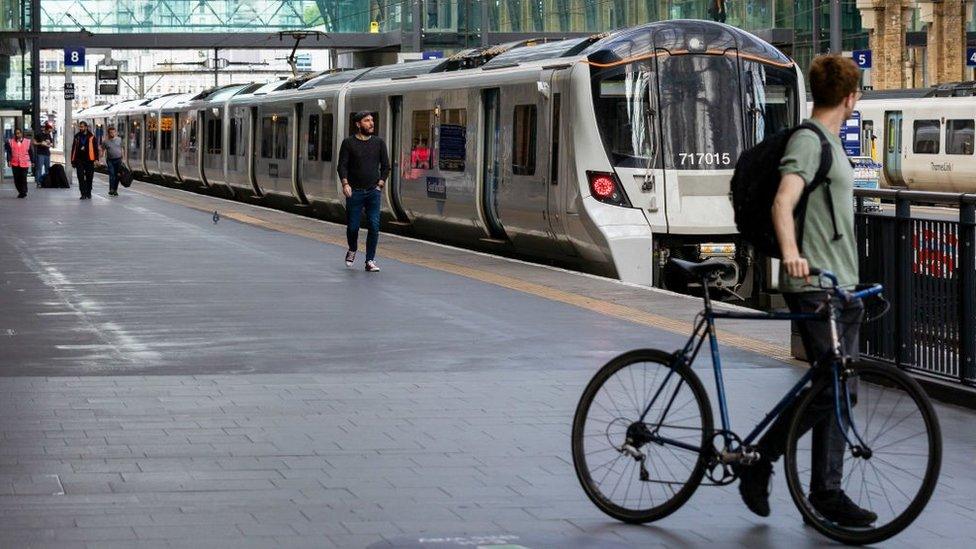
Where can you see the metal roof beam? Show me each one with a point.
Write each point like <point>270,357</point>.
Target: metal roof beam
<point>255,40</point>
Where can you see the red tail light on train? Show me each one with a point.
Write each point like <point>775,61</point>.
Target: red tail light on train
<point>605,188</point>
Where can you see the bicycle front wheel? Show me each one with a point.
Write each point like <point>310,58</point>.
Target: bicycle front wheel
<point>892,474</point>
<point>641,470</point>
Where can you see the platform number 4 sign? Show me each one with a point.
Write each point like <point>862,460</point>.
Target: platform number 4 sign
<point>74,57</point>
<point>971,57</point>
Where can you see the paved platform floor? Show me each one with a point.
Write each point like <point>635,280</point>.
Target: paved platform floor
<point>169,381</point>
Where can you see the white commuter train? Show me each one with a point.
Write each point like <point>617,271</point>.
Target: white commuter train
<point>923,138</point>
<point>607,154</point>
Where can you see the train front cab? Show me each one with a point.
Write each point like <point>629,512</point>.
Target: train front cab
<point>674,105</point>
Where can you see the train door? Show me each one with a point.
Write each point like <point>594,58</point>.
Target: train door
<point>252,139</point>
<point>490,165</point>
<point>556,188</point>
<point>296,158</point>
<point>396,157</point>
<point>893,148</point>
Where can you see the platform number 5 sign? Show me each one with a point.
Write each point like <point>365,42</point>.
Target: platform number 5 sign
<point>862,58</point>
<point>74,57</point>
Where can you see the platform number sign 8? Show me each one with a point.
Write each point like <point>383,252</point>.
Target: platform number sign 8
<point>971,57</point>
<point>74,57</point>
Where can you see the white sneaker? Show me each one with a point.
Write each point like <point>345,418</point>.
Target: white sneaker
<point>371,267</point>
<point>350,257</point>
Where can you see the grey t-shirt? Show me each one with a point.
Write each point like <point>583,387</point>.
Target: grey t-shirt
<point>113,147</point>
<point>821,251</point>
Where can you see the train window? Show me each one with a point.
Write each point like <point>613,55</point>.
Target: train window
<point>281,138</point>
<point>770,99</point>
<point>523,141</point>
<point>233,137</point>
<point>959,136</point>
<point>328,132</point>
<point>452,142</point>
<point>166,140</point>
<point>376,123</point>
<point>214,137</point>
<point>623,103</point>
<point>701,121</point>
<point>926,137</point>
<point>313,137</point>
<point>420,145</point>
<point>267,137</point>
<point>152,126</point>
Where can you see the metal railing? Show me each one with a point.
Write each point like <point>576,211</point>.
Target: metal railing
<point>927,263</point>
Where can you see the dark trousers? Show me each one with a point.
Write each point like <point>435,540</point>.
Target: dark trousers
<point>113,165</point>
<point>86,172</point>
<point>20,180</point>
<point>828,441</point>
<point>368,200</point>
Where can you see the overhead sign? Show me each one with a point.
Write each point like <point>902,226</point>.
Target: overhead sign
<point>435,54</point>
<point>108,88</point>
<point>74,57</point>
<point>69,90</point>
<point>971,57</point>
<point>850,134</point>
<point>107,73</point>
<point>862,58</point>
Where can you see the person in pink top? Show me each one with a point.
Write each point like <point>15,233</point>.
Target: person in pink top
<point>18,157</point>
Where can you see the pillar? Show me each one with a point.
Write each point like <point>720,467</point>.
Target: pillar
<point>886,22</point>
<point>945,26</point>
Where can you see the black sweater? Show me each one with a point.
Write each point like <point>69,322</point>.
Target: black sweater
<point>363,163</point>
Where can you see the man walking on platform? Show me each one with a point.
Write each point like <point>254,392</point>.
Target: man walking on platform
<point>112,145</point>
<point>822,238</point>
<point>363,167</point>
<point>18,157</point>
<point>84,153</point>
<point>42,153</point>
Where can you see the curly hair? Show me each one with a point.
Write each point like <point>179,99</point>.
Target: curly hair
<point>832,78</point>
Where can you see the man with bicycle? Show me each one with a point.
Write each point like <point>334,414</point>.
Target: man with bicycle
<point>821,238</point>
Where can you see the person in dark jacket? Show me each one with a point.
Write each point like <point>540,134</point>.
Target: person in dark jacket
<point>364,166</point>
<point>42,153</point>
<point>84,153</point>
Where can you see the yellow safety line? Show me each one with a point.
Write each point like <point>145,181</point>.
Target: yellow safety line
<point>607,308</point>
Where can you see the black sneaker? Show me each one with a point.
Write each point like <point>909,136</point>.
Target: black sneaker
<point>754,485</point>
<point>350,257</point>
<point>835,506</point>
<point>113,193</point>
<point>371,267</point>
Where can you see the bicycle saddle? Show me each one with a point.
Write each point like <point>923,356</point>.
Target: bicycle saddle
<point>705,268</point>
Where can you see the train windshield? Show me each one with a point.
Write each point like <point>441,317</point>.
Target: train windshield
<point>625,115</point>
<point>701,116</point>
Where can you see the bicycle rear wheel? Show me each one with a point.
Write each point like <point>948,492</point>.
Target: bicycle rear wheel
<point>896,472</point>
<point>663,477</point>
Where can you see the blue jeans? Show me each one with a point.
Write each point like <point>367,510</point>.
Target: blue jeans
<point>368,199</point>
<point>113,165</point>
<point>41,167</point>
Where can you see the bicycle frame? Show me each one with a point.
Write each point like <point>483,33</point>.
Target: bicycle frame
<point>705,328</point>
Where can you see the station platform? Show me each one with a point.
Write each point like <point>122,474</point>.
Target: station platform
<point>168,380</point>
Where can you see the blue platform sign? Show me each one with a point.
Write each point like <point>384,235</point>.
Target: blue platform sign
<point>971,57</point>
<point>850,134</point>
<point>862,58</point>
<point>74,57</point>
<point>433,54</point>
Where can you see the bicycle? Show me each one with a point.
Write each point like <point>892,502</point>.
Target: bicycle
<point>668,443</point>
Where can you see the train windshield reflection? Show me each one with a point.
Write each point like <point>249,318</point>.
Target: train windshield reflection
<point>625,116</point>
<point>701,118</point>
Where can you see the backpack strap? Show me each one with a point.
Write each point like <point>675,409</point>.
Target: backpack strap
<point>820,178</point>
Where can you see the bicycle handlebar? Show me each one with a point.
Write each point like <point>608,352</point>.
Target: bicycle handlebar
<point>874,289</point>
